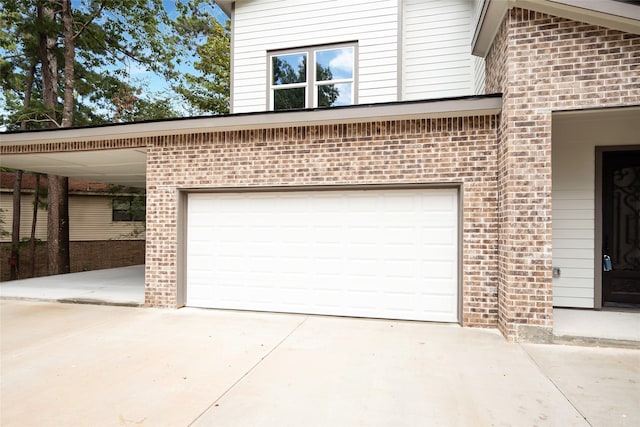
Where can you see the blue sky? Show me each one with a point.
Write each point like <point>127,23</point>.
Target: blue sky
<point>154,83</point>
<point>149,81</point>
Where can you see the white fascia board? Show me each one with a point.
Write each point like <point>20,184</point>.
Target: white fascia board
<point>450,107</point>
<point>487,26</point>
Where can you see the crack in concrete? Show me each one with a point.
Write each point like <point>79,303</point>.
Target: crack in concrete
<point>584,417</point>
<point>251,369</point>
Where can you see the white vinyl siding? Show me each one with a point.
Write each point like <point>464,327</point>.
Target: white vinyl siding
<point>371,253</point>
<point>478,62</point>
<point>437,60</point>
<point>90,218</point>
<point>478,76</point>
<point>573,193</point>
<point>267,25</point>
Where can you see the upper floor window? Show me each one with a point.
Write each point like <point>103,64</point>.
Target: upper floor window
<point>322,76</point>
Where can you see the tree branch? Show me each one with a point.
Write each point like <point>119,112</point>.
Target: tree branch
<point>90,20</point>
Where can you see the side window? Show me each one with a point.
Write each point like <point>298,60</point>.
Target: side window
<point>321,76</point>
<point>127,209</point>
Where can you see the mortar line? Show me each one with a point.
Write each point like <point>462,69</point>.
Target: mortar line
<point>555,385</point>
<point>232,386</point>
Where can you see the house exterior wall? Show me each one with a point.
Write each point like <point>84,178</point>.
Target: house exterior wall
<point>543,63</point>
<point>439,151</point>
<point>407,49</point>
<point>90,217</point>
<point>84,255</point>
<point>436,42</point>
<point>477,62</point>
<point>261,26</point>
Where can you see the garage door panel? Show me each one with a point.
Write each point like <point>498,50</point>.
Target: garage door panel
<point>379,253</point>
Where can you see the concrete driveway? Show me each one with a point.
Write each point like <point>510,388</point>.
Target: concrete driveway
<point>114,286</point>
<point>69,364</point>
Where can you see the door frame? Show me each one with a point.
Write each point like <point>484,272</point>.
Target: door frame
<point>598,288</point>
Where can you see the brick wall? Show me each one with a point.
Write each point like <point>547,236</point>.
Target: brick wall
<point>85,256</point>
<point>454,150</point>
<point>541,64</point>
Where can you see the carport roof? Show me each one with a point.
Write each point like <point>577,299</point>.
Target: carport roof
<point>127,166</point>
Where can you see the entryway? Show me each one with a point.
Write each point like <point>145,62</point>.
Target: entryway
<point>596,208</point>
<point>619,173</point>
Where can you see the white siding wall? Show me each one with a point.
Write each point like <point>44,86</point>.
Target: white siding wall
<point>478,62</point>
<point>437,60</point>
<point>90,218</point>
<point>261,26</point>
<point>478,76</point>
<point>573,192</point>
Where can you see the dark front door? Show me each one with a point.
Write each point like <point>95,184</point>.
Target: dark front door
<point>621,227</point>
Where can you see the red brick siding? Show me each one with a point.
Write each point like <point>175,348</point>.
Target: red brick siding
<point>543,64</point>
<point>455,150</point>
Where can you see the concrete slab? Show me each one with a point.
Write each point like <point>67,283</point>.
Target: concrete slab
<point>622,325</point>
<point>602,383</point>
<point>116,286</point>
<point>88,365</point>
<point>69,364</point>
<point>348,372</point>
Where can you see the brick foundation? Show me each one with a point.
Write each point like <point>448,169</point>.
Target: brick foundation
<point>92,255</point>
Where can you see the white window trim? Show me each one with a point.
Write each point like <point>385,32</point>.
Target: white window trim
<point>311,98</point>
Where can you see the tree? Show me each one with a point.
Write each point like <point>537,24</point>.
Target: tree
<point>62,65</point>
<point>51,40</point>
<point>208,42</point>
<point>15,227</point>
<point>39,194</point>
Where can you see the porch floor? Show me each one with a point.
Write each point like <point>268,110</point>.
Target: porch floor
<point>596,325</point>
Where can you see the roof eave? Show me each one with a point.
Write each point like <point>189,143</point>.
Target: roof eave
<point>612,14</point>
<point>225,5</point>
<point>447,107</point>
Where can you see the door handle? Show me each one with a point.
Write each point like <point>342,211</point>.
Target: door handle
<point>606,263</point>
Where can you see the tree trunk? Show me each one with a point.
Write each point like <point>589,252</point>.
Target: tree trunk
<point>34,222</point>
<point>28,89</point>
<point>14,260</point>
<point>58,261</point>
<point>69,62</point>
<point>58,213</point>
<point>49,58</point>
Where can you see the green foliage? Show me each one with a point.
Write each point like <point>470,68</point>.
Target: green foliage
<point>109,36</point>
<point>207,43</point>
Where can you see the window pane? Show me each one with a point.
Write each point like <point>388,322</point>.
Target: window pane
<point>289,68</point>
<point>334,95</point>
<point>288,99</point>
<point>334,64</point>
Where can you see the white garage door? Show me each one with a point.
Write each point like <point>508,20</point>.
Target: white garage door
<point>366,253</point>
